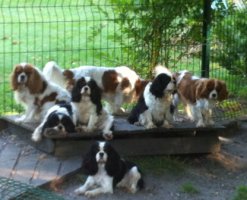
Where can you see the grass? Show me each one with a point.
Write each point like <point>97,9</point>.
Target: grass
<point>189,188</point>
<point>241,193</point>
<point>161,164</point>
<point>40,31</point>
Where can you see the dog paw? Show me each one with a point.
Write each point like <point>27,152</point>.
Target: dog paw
<point>149,126</point>
<point>90,194</point>
<point>211,122</point>
<point>20,119</point>
<point>200,124</point>
<point>82,129</point>
<point>167,125</point>
<point>79,191</point>
<point>137,124</point>
<point>108,135</point>
<point>36,137</point>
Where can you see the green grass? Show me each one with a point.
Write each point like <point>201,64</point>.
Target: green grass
<point>189,188</point>
<point>51,31</point>
<point>241,193</point>
<point>161,164</point>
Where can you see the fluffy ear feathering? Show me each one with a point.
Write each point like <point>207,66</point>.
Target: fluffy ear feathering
<point>27,76</point>
<point>86,97</point>
<point>159,69</point>
<point>205,87</point>
<point>60,119</point>
<point>106,169</point>
<point>34,92</point>
<point>153,107</point>
<point>199,95</point>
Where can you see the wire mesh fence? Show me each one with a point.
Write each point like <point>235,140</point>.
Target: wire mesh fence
<point>110,33</point>
<point>14,190</point>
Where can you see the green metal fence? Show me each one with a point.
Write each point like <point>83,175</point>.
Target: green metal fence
<point>14,190</point>
<point>119,32</point>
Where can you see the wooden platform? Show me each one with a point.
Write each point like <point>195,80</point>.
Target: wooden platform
<point>130,140</point>
<point>50,160</point>
<point>25,163</point>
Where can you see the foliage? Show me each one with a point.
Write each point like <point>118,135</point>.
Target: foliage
<point>189,188</point>
<point>150,29</point>
<point>161,164</point>
<point>241,193</point>
<point>230,41</point>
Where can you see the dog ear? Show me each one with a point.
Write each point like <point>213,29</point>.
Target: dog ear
<point>69,125</point>
<point>113,163</point>
<point>35,82</point>
<point>76,90</point>
<point>96,95</point>
<point>202,89</point>
<point>159,84</point>
<point>89,164</point>
<point>223,93</point>
<point>14,83</point>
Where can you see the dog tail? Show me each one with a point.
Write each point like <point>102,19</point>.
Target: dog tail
<point>160,69</point>
<point>141,184</point>
<point>139,108</point>
<point>54,73</point>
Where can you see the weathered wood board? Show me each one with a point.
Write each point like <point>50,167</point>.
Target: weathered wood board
<point>183,138</point>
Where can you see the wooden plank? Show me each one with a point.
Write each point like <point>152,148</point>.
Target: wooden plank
<point>145,146</point>
<point>8,158</point>
<point>70,165</point>
<point>46,170</point>
<point>122,128</point>
<point>3,124</point>
<point>46,145</point>
<point>25,167</point>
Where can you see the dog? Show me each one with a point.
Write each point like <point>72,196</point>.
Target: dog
<point>86,98</point>
<point>61,118</point>
<point>34,92</point>
<point>153,106</point>
<point>105,170</point>
<point>119,84</point>
<point>199,95</point>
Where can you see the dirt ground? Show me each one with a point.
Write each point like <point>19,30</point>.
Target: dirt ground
<point>206,177</point>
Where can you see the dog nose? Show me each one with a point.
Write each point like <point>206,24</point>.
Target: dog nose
<point>213,95</point>
<point>60,127</point>
<point>101,154</point>
<point>86,89</point>
<point>22,77</point>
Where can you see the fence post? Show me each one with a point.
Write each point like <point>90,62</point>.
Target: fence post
<point>205,38</point>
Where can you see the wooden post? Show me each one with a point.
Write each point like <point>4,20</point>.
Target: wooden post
<point>205,37</point>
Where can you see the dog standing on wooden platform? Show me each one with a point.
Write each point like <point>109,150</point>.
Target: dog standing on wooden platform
<point>153,106</point>
<point>86,98</point>
<point>34,92</point>
<point>119,85</point>
<point>199,95</point>
<point>105,170</point>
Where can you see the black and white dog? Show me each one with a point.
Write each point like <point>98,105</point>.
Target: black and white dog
<point>86,98</point>
<point>60,117</point>
<point>152,108</point>
<point>105,170</point>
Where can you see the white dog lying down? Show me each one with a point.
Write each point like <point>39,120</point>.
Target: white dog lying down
<point>105,170</point>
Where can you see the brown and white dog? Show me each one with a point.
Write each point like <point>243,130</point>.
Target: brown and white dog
<point>198,96</point>
<point>119,84</point>
<point>34,92</point>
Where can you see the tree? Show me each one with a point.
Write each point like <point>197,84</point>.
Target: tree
<point>153,27</point>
